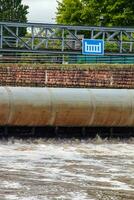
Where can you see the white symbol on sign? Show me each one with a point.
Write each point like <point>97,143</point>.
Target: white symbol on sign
<point>93,48</point>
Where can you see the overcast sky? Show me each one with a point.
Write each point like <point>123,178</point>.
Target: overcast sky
<point>41,10</point>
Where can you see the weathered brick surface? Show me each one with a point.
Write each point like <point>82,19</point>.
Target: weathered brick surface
<point>58,77</point>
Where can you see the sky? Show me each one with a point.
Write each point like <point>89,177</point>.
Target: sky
<point>41,10</point>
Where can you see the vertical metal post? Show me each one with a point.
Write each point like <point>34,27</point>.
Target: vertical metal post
<point>131,44</point>
<point>63,59</point>
<point>1,36</point>
<point>121,42</point>
<point>103,36</point>
<point>75,42</point>
<point>92,34</point>
<point>62,48</point>
<point>46,32</point>
<point>17,33</point>
<point>32,33</point>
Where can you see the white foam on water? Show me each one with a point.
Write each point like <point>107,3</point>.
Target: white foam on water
<point>63,166</point>
<point>79,196</point>
<point>10,185</point>
<point>11,197</point>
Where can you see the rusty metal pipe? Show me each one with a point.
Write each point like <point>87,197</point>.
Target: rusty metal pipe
<point>23,106</point>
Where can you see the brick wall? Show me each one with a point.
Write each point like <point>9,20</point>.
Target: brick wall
<point>41,76</point>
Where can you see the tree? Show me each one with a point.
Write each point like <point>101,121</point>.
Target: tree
<point>91,12</point>
<point>13,11</point>
<point>69,12</point>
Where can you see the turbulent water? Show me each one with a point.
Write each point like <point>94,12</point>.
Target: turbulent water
<point>67,169</point>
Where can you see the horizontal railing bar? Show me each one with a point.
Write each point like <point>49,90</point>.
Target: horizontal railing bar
<point>70,27</point>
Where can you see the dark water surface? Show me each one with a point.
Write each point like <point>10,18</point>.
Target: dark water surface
<point>67,169</point>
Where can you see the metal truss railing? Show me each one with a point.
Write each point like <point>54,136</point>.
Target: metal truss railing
<point>61,39</point>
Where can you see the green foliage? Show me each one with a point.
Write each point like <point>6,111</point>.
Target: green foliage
<point>69,12</point>
<point>96,12</point>
<point>13,11</point>
<point>92,66</point>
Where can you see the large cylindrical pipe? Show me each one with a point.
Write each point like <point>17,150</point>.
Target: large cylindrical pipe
<point>22,106</point>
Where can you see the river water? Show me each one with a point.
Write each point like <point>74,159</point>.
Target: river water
<point>67,169</point>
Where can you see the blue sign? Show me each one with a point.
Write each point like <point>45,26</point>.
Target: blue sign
<point>92,47</point>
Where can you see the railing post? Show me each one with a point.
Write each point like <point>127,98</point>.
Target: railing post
<point>32,32</point>
<point>17,33</point>
<point>1,36</point>
<point>63,39</point>
<point>121,42</point>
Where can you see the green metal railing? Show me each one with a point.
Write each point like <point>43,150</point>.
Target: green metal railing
<point>64,59</point>
<point>105,59</point>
